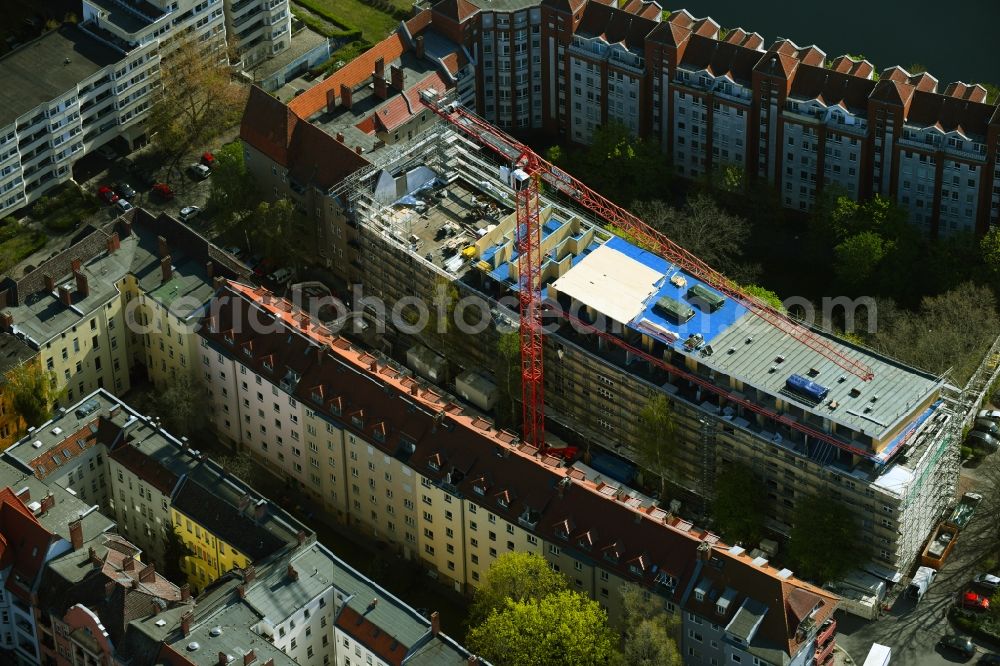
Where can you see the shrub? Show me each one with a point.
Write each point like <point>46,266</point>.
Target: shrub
<point>967,452</point>
<point>41,207</point>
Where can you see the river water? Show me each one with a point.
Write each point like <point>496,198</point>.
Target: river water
<point>956,40</point>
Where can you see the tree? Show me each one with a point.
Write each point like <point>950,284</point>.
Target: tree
<point>240,465</point>
<point>740,504</point>
<point>514,576</point>
<point>989,247</point>
<point>992,93</point>
<point>765,295</point>
<point>825,541</point>
<point>199,98</point>
<point>621,166</point>
<point>857,258</point>
<point>650,633</point>
<point>561,628</point>
<point>233,194</point>
<point>703,228</point>
<point>508,374</point>
<point>657,442</point>
<point>181,405</point>
<point>271,226</point>
<point>32,393</point>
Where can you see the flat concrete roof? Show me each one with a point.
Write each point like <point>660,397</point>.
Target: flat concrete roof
<point>38,72</point>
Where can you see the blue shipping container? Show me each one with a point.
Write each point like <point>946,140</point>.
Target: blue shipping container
<point>805,387</point>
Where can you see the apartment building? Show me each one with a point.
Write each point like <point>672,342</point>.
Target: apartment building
<point>120,300</point>
<point>102,75</point>
<point>286,598</point>
<point>405,463</point>
<point>715,97</point>
<point>260,28</point>
<point>14,353</point>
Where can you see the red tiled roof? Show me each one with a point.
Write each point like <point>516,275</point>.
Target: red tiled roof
<point>720,58</point>
<point>419,23</point>
<point>371,636</point>
<point>24,543</point>
<point>403,106</point>
<point>73,445</point>
<point>268,124</point>
<point>451,62</point>
<point>352,74</point>
<point>832,87</point>
<point>670,32</point>
<point>949,113</point>
<point>615,26</point>
<point>146,468</point>
<point>457,10</point>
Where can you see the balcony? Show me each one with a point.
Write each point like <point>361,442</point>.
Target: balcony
<point>825,633</point>
<point>825,655</point>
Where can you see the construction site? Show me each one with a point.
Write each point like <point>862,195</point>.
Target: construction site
<point>810,413</point>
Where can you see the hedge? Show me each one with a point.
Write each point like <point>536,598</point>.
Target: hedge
<point>978,626</point>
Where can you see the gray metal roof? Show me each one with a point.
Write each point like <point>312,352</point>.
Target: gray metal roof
<point>747,619</point>
<point>899,389</point>
<point>52,65</point>
<point>236,639</point>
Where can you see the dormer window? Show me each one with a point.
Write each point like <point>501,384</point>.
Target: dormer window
<point>317,397</point>
<point>699,595</point>
<point>358,420</point>
<point>503,499</point>
<point>247,351</point>
<point>228,337</point>
<point>586,541</point>
<point>268,364</point>
<point>435,462</point>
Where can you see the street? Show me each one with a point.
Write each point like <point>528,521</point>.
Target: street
<point>912,631</point>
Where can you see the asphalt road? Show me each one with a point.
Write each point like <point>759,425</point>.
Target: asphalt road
<point>913,630</point>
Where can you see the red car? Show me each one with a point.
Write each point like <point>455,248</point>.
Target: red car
<point>208,159</point>
<point>974,601</point>
<point>107,195</point>
<point>163,191</point>
<point>264,267</point>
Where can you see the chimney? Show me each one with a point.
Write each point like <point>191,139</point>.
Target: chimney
<point>218,283</point>
<point>435,623</point>
<point>114,243</point>
<point>269,662</point>
<point>358,150</point>
<point>250,574</point>
<point>292,573</point>
<point>48,502</point>
<point>148,574</point>
<point>419,46</point>
<point>380,68</point>
<point>473,660</point>
<point>154,609</point>
<point>65,296</point>
<point>126,227</point>
<point>249,658</point>
<point>109,588</point>
<point>223,658</point>
<point>3,298</point>
<point>331,101</point>
<point>75,265</point>
<point>6,321</point>
<point>210,270</point>
<point>261,510</point>
<point>24,495</point>
<point>301,536</point>
<point>414,388</point>
<point>381,88</point>
<point>346,96</point>
<point>340,137</point>
<point>186,623</point>
<point>162,243</point>
<point>185,592</point>
<point>82,285</point>
<point>129,564</point>
<point>398,77</point>
<point>165,269</point>
<point>76,534</point>
<point>242,591</point>
<point>50,283</point>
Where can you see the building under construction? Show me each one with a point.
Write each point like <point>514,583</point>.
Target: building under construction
<point>437,208</point>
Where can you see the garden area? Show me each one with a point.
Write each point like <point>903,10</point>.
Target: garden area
<point>17,243</point>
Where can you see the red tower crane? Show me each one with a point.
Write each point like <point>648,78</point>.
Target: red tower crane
<point>527,168</point>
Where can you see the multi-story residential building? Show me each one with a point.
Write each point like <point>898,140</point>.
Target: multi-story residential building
<point>87,595</point>
<point>716,98</point>
<point>122,298</point>
<point>14,353</point>
<point>398,460</point>
<point>103,75</point>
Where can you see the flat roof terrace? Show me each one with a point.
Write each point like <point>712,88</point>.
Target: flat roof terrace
<point>48,67</point>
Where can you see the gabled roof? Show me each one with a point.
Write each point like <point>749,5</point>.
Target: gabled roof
<point>832,87</point>
<point>615,26</point>
<point>146,468</point>
<point>971,119</point>
<point>720,58</point>
<point>371,636</point>
<point>268,124</point>
<point>24,543</point>
<point>457,10</point>
<point>670,33</point>
<point>404,105</point>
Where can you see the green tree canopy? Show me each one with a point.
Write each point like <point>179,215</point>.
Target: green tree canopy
<point>650,633</point>
<point>825,541</point>
<point>989,247</point>
<point>234,193</point>
<point>765,295</point>
<point>181,405</point>
<point>621,166</point>
<point>514,576</point>
<point>740,504</point>
<point>32,393</point>
<point>657,442</point>
<point>858,257</point>
<point>271,226</point>
<point>561,628</point>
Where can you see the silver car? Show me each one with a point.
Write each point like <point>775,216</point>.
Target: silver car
<point>189,212</point>
<point>989,581</point>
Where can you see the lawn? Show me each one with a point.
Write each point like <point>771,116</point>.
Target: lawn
<point>64,207</point>
<point>17,243</point>
<point>373,23</point>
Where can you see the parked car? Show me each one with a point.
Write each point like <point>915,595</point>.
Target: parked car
<point>989,581</point>
<point>983,441</point>
<point>986,425</point>
<point>234,250</point>
<point>199,171</point>
<point>107,152</point>
<point>961,644</point>
<point>208,159</point>
<point>163,191</point>
<point>974,601</point>
<point>990,658</point>
<point>280,276</point>
<point>123,205</point>
<point>125,191</point>
<point>189,212</point>
<point>106,194</point>
<point>263,267</point>
<point>992,414</point>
